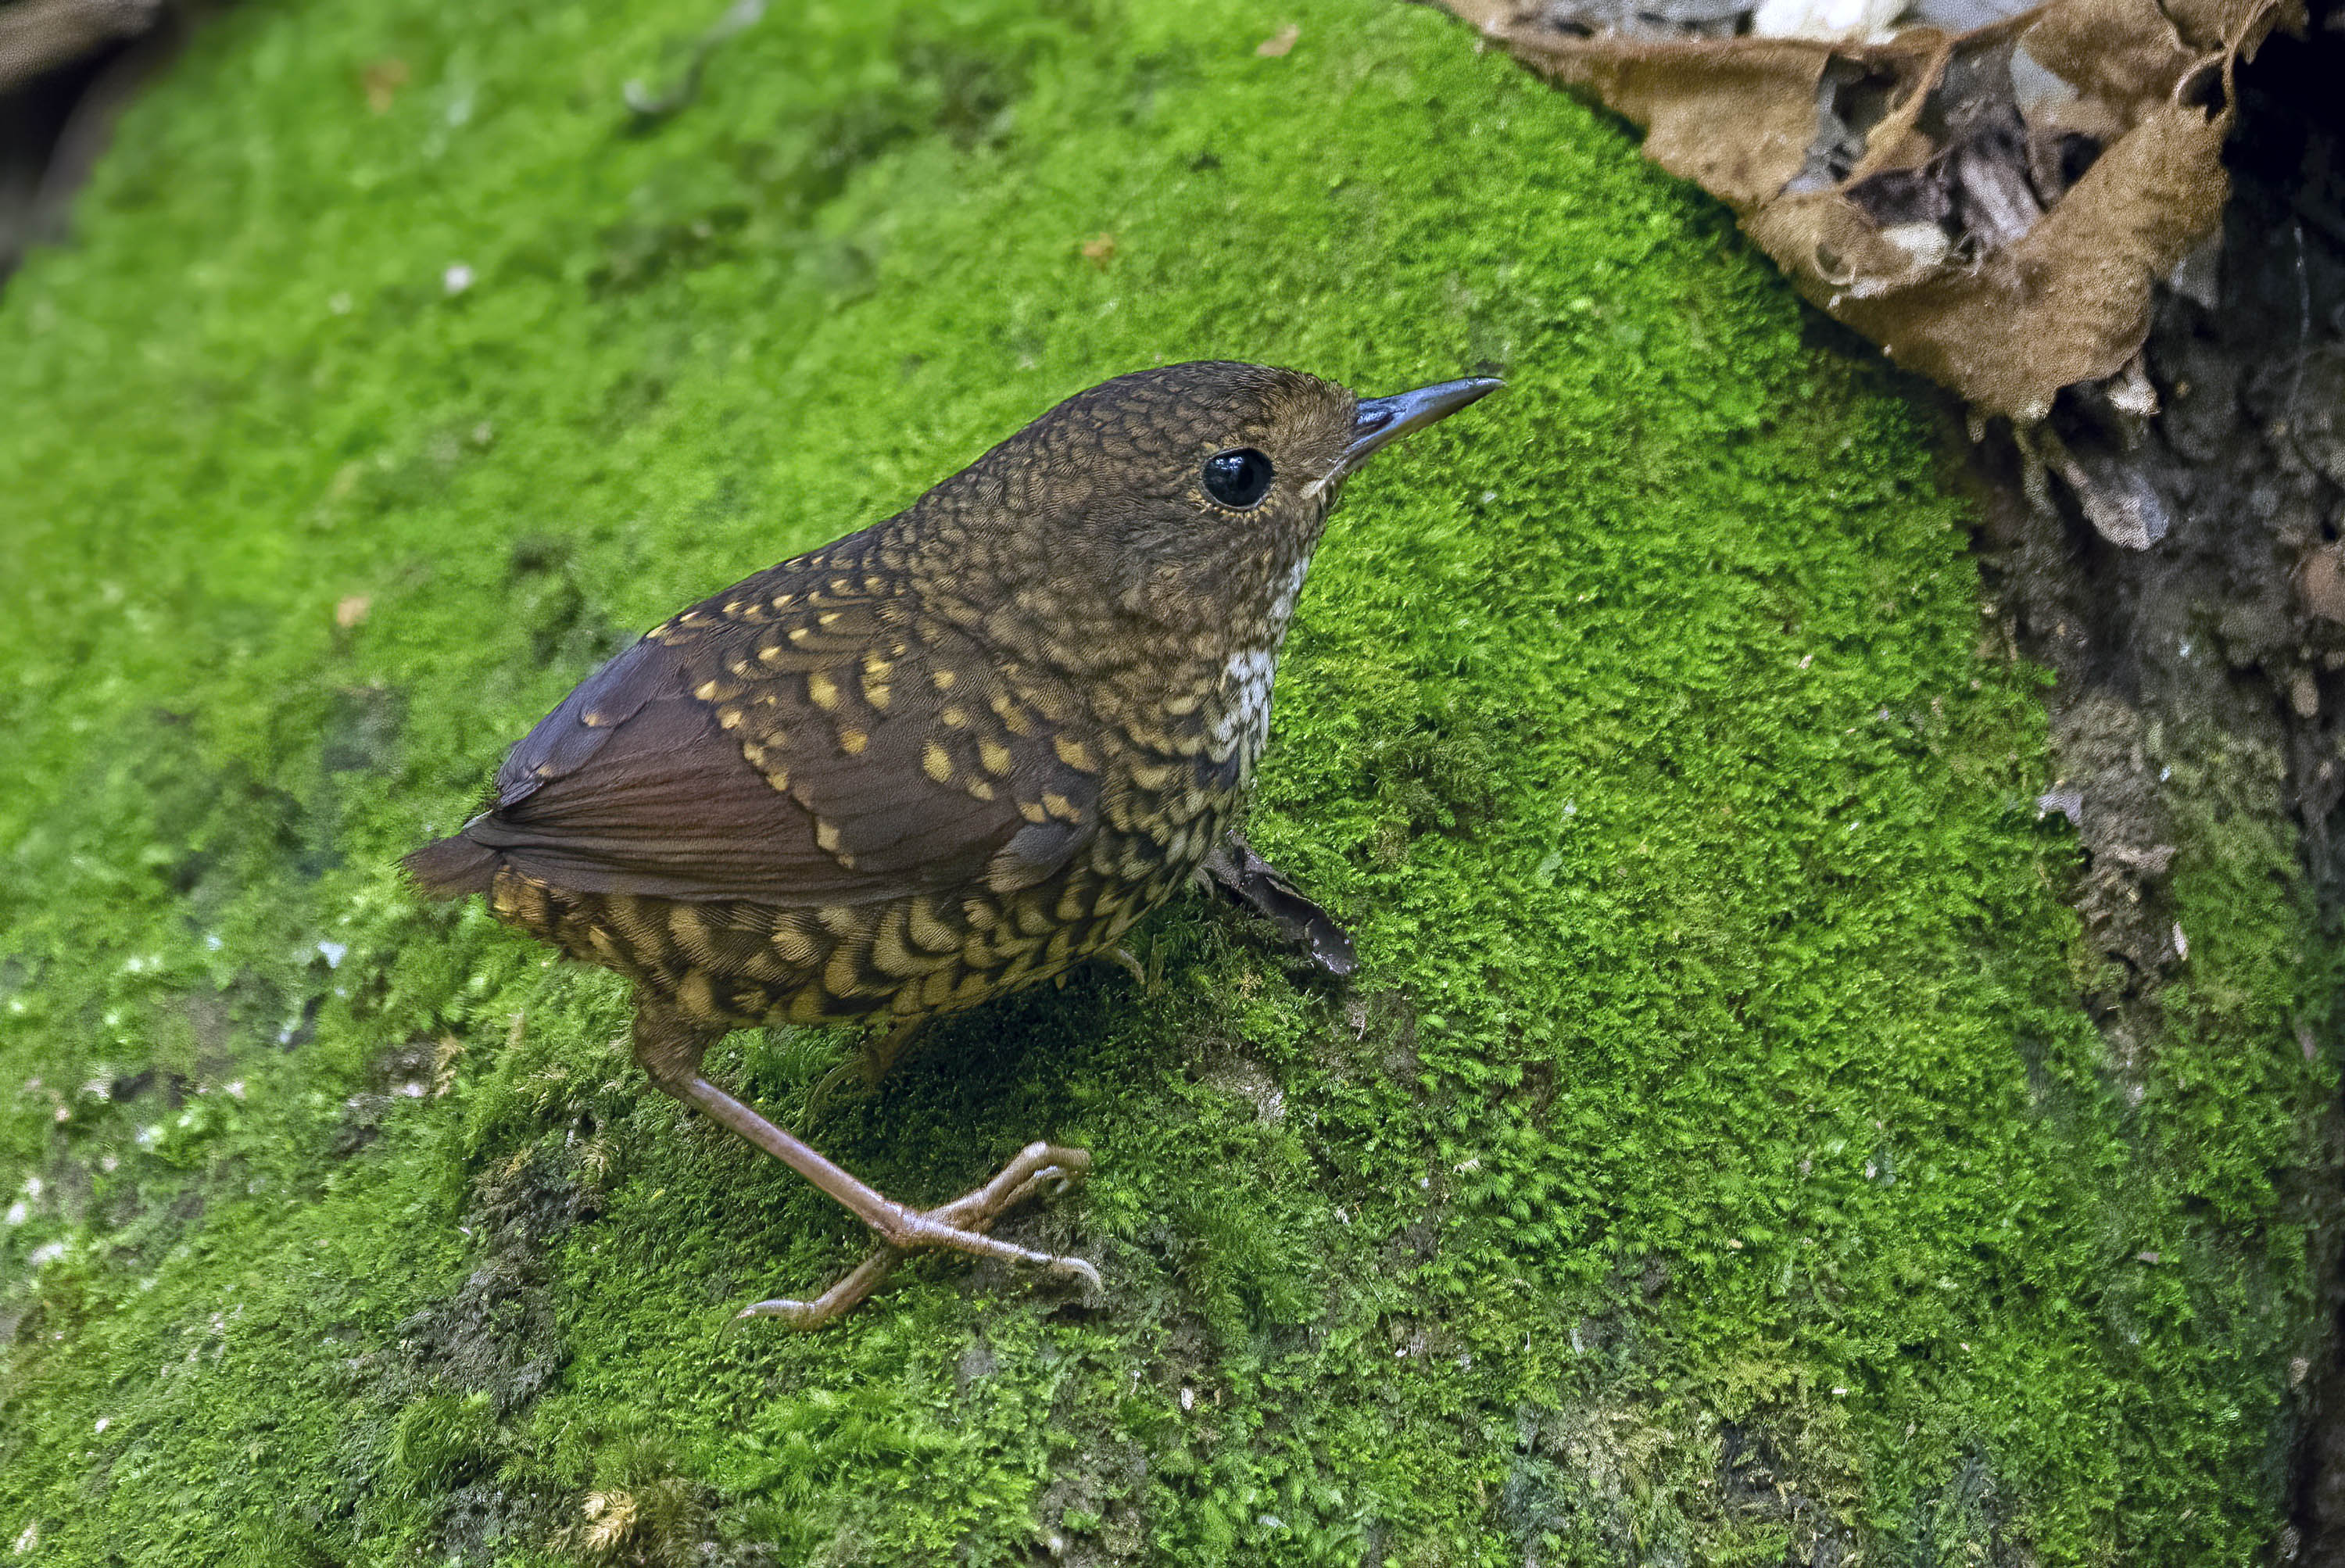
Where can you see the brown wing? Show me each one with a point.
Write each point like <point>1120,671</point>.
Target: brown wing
<point>805,738</point>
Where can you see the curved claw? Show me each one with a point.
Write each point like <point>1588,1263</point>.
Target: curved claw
<point>826,1089</point>
<point>1078,1269</point>
<point>863,1070</point>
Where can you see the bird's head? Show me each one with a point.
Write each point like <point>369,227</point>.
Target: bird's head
<point>1190,496</point>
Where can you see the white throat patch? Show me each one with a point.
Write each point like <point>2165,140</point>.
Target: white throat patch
<point>1243,727</point>
<point>1282,608</point>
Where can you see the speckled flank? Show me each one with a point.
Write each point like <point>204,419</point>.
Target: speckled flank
<point>981,738</point>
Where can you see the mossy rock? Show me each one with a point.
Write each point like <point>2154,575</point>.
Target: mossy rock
<point>1711,1163</point>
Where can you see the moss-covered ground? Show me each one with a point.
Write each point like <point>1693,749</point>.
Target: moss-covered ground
<point>1710,1165</point>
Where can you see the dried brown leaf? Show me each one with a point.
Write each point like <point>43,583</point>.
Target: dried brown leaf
<point>1992,207</point>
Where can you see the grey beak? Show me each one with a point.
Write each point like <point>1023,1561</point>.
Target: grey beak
<point>1382,419</point>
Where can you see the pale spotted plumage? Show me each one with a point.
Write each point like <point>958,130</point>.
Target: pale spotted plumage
<point>942,759</point>
<point>879,779</point>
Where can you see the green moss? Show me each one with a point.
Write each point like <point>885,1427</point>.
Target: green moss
<point>1713,1161</point>
<point>440,1439</point>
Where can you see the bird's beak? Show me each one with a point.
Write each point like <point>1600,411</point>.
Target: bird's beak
<point>1382,419</point>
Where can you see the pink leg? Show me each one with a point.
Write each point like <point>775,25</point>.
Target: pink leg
<point>1038,1166</point>
<point>670,1048</point>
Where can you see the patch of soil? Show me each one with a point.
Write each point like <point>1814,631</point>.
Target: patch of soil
<point>496,1336</point>
<point>2203,678</point>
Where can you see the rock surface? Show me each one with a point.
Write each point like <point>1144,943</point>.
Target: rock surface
<point>1714,1157</point>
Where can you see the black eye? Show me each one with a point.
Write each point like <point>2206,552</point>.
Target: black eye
<point>1240,478</point>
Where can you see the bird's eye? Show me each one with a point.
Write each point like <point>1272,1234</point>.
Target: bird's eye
<point>1238,478</point>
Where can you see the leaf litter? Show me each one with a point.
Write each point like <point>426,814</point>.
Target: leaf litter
<point>1991,198</point>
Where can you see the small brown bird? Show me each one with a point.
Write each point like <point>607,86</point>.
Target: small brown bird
<point>943,759</point>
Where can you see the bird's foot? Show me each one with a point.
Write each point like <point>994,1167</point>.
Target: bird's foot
<point>1254,884</point>
<point>872,1058</point>
<point>961,1225</point>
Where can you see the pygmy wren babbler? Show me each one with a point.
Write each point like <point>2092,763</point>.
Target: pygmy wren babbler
<point>939,760</point>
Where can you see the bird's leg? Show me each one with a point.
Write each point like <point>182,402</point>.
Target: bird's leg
<point>873,1057</point>
<point>670,1048</point>
<point>1253,883</point>
<point>879,1051</point>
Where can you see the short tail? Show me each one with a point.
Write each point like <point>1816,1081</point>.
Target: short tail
<point>453,867</point>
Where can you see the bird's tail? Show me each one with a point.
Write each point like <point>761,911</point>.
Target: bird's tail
<point>453,867</point>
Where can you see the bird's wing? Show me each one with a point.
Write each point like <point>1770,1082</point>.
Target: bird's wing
<point>802,738</point>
